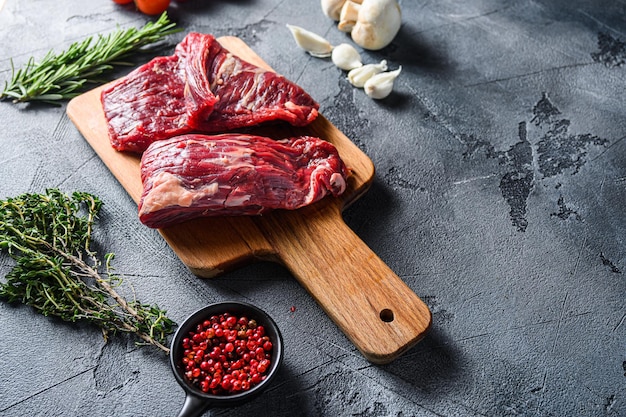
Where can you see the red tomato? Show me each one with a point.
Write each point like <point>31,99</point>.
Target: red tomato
<point>123,1</point>
<point>152,7</point>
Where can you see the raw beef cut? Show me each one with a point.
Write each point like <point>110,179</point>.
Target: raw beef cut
<point>201,88</point>
<point>235,174</point>
<point>249,95</point>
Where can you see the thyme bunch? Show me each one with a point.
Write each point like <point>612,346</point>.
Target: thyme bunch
<point>64,76</point>
<point>57,272</point>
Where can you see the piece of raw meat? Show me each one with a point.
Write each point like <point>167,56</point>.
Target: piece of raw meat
<point>249,95</point>
<point>235,174</point>
<point>147,105</point>
<point>201,88</point>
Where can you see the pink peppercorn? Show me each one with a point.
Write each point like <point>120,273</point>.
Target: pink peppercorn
<point>226,354</point>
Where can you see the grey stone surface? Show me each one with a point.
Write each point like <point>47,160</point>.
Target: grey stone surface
<point>499,199</point>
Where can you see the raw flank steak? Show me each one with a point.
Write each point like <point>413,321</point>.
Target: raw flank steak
<point>234,174</point>
<point>202,88</point>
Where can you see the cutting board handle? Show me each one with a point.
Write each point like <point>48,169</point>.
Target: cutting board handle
<point>376,310</point>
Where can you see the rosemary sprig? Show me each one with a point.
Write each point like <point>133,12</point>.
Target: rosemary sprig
<point>57,272</point>
<point>64,76</point>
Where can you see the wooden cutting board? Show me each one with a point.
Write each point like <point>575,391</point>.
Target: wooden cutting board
<point>376,310</point>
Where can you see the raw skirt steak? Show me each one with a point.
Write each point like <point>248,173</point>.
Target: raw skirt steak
<point>201,88</point>
<point>235,174</point>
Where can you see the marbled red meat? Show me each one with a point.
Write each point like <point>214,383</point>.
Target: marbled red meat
<point>157,86</point>
<point>235,174</point>
<point>201,88</point>
<point>249,95</point>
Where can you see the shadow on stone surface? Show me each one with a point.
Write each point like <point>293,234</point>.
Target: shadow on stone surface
<point>410,49</point>
<point>434,365</point>
<point>374,207</point>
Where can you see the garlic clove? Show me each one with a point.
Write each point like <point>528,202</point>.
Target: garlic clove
<point>346,57</point>
<point>358,76</point>
<point>311,42</point>
<point>349,15</point>
<point>380,85</point>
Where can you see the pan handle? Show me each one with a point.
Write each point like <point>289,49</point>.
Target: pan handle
<point>194,406</point>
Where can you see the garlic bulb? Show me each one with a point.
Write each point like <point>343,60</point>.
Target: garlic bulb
<point>311,42</point>
<point>360,75</point>
<point>380,85</point>
<point>346,57</point>
<point>373,24</point>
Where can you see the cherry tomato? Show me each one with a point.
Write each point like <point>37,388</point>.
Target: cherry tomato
<point>122,1</point>
<point>152,7</point>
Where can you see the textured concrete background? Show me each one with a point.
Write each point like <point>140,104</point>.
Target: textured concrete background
<point>499,199</point>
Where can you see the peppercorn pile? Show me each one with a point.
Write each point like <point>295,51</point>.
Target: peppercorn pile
<point>226,354</point>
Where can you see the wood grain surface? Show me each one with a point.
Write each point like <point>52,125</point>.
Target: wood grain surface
<point>376,310</point>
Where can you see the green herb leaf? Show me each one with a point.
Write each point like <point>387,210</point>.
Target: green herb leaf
<point>64,76</point>
<point>57,272</point>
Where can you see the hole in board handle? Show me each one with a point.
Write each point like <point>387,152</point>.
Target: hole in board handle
<point>386,315</point>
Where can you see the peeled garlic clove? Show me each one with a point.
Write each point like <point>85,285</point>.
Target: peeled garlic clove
<point>380,85</point>
<point>359,76</point>
<point>346,57</point>
<point>311,42</point>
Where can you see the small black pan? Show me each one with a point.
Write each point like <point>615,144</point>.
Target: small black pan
<point>197,401</point>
